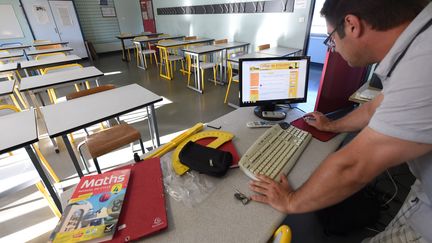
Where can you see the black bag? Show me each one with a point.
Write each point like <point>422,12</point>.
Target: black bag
<point>205,160</point>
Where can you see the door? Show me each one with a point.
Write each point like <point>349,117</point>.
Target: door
<point>40,19</point>
<point>68,26</point>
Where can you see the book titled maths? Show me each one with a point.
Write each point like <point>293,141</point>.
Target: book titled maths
<point>94,208</point>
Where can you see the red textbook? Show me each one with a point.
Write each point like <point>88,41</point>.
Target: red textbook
<point>144,210</point>
<point>94,208</point>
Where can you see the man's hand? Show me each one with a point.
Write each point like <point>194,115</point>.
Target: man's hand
<point>276,194</point>
<point>318,120</point>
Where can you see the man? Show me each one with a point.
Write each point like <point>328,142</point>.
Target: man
<point>395,127</point>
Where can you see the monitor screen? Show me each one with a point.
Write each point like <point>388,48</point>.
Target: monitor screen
<point>266,82</point>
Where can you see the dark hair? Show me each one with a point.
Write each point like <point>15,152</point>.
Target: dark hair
<point>380,14</point>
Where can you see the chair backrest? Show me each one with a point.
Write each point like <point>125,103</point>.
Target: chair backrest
<point>89,91</point>
<point>61,68</point>
<point>222,41</point>
<point>190,38</point>
<point>54,46</point>
<point>49,55</point>
<point>10,107</point>
<point>139,38</point>
<point>263,47</point>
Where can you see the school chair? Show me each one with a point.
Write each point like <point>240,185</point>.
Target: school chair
<point>168,57</point>
<point>263,47</point>
<point>142,53</point>
<point>203,66</point>
<point>282,235</point>
<point>51,92</point>
<point>230,72</point>
<point>128,47</point>
<point>10,76</point>
<point>53,46</point>
<point>107,140</point>
<point>40,186</point>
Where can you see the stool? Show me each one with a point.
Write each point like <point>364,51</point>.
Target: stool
<point>109,140</point>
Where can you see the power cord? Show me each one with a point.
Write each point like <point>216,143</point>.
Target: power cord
<point>395,186</point>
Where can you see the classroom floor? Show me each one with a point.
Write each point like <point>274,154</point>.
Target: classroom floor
<point>24,216</point>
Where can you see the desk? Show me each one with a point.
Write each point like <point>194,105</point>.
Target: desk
<point>48,43</point>
<point>46,51</point>
<point>20,131</point>
<point>250,55</point>
<point>222,218</point>
<point>15,47</point>
<point>364,94</point>
<point>195,52</point>
<point>55,60</point>
<point>66,117</point>
<point>229,46</point>
<point>8,67</point>
<point>42,82</point>
<point>280,51</point>
<point>11,55</point>
<point>131,36</point>
<point>7,87</point>
<point>163,46</point>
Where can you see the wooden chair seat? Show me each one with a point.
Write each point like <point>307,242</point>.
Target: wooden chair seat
<point>111,139</point>
<point>86,92</point>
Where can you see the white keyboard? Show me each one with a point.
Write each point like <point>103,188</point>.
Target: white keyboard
<point>276,151</point>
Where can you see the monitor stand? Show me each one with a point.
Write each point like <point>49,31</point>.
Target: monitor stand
<point>270,112</point>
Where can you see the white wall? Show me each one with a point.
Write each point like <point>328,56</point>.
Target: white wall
<point>28,38</point>
<point>283,29</point>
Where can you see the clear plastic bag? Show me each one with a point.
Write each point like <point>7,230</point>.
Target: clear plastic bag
<point>190,188</point>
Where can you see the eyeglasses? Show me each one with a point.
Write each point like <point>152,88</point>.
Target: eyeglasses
<point>329,41</point>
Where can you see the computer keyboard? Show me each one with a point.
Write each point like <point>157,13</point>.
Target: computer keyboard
<point>276,151</point>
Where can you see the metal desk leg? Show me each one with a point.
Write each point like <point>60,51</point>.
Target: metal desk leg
<point>72,155</point>
<point>123,51</point>
<point>154,132</point>
<point>42,175</point>
<point>197,72</point>
<point>39,114</point>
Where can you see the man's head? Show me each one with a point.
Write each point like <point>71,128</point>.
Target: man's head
<point>355,24</point>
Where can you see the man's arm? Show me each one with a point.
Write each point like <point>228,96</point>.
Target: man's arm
<point>341,174</point>
<point>354,121</point>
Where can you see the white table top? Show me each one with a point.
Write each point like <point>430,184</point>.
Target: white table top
<point>11,66</point>
<point>250,55</point>
<point>222,218</point>
<point>160,38</point>
<point>12,55</point>
<point>131,36</point>
<point>6,87</point>
<point>14,47</point>
<point>45,51</point>
<point>57,78</point>
<point>202,49</point>
<point>184,42</point>
<point>50,61</point>
<point>231,45</point>
<point>280,51</point>
<point>18,130</point>
<point>65,117</point>
<point>48,43</point>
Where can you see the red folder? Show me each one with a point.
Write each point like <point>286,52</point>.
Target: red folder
<point>320,135</point>
<point>143,210</point>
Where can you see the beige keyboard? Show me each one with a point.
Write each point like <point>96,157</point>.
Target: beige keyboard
<point>276,151</point>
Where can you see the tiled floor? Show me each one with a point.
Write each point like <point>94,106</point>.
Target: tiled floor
<point>181,109</point>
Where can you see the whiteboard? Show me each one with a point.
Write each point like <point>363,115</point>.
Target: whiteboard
<point>9,25</point>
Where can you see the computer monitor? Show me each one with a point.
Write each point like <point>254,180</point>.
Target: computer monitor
<point>267,82</point>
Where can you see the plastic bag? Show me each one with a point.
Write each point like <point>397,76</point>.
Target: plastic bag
<point>190,188</point>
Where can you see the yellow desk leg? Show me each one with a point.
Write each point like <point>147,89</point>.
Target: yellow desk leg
<point>164,56</point>
<point>47,197</point>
